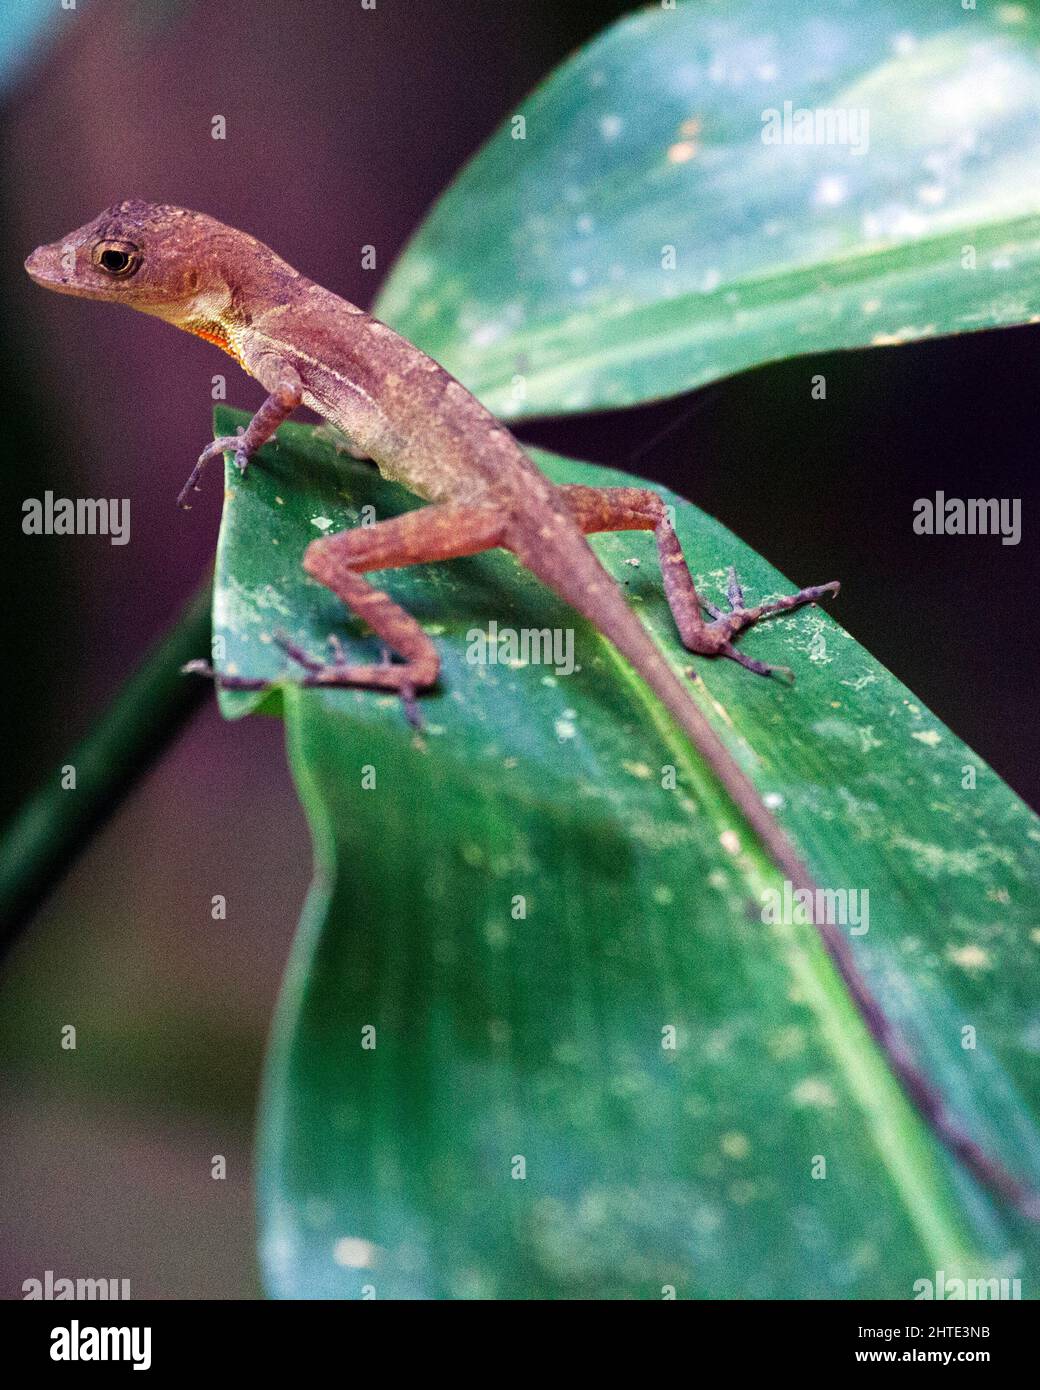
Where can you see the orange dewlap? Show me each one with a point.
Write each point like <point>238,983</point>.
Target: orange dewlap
<point>213,333</point>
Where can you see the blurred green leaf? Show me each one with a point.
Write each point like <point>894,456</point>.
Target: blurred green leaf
<point>542,276</point>
<point>28,25</point>
<point>540,1037</point>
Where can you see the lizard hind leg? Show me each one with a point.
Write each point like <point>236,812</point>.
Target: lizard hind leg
<point>428,534</point>
<point>640,509</point>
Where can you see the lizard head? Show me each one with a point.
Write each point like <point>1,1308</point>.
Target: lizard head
<point>162,260</point>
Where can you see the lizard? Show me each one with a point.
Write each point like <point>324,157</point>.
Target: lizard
<point>423,429</point>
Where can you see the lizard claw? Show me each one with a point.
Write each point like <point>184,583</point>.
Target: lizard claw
<point>203,668</point>
<point>241,452</point>
<point>224,444</point>
<point>410,706</point>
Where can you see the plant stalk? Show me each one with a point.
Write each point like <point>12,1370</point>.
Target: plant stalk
<point>44,838</point>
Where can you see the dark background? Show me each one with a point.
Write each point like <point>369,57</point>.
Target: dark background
<point>343,125</point>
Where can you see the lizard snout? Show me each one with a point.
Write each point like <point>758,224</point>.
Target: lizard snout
<point>44,266</point>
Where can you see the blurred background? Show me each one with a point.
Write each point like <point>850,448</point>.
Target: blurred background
<point>343,124</point>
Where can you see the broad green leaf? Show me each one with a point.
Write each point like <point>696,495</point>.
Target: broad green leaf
<point>542,1035</point>
<point>642,238</point>
<point>27,25</point>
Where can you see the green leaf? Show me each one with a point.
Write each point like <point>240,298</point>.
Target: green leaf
<point>27,27</point>
<point>541,278</point>
<point>500,1037</point>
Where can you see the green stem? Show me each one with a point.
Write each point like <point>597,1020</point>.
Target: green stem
<point>46,835</point>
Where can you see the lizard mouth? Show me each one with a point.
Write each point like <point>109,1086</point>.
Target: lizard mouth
<point>44,267</point>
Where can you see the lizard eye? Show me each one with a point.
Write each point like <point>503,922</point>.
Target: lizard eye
<point>117,257</point>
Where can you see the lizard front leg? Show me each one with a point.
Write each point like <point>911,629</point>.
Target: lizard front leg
<point>286,394</point>
<point>640,509</point>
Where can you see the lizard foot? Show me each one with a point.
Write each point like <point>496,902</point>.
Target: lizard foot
<point>404,678</point>
<point>717,636</point>
<point>226,443</point>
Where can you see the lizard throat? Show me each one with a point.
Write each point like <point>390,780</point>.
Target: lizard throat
<point>214,332</point>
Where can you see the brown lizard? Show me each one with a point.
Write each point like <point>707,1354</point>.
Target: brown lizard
<point>307,346</point>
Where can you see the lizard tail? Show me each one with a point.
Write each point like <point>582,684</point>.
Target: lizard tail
<point>572,570</point>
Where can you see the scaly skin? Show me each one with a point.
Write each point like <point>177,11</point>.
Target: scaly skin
<point>424,430</point>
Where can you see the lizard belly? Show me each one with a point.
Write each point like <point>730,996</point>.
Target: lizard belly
<point>429,462</point>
